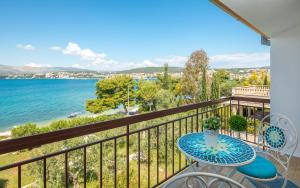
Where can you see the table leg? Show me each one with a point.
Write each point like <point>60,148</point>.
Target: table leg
<point>190,161</point>
<point>233,171</point>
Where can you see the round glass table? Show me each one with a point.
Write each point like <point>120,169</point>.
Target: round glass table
<point>229,151</point>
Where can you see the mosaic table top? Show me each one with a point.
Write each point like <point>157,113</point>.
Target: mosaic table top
<point>228,152</point>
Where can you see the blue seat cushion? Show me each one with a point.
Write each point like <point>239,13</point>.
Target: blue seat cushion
<point>261,168</point>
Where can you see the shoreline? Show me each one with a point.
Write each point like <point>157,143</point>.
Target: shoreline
<point>7,133</point>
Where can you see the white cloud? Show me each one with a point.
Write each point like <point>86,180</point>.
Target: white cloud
<point>37,65</point>
<point>25,46</point>
<point>148,63</point>
<point>99,61</point>
<point>55,48</point>
<point>173,61</point>
<point>85,54</point>
<point>240,60</point>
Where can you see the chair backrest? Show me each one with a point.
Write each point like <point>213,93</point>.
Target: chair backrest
<point>201,179</point>
<point>278,137</point>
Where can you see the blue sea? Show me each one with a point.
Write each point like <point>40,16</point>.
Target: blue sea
<point>41,100</point>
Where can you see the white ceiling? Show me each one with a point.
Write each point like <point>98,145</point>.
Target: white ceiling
<point>269,16</point>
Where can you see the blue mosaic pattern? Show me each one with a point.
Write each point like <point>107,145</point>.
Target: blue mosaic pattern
<point>275,137</point>
<point>229,151</point>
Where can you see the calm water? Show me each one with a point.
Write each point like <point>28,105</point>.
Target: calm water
<point>24,101</point>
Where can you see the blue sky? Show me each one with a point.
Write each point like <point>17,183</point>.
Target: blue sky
<point>123,34</point>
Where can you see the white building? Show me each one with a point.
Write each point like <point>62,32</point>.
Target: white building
<point>279,21</point>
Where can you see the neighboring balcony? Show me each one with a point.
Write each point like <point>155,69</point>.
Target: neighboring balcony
<point>252,91</point>
<point>135,151</point>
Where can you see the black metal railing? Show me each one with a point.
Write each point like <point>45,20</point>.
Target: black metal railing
<point>139,152</point>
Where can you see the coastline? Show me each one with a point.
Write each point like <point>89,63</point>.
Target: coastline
<point>7,133</point>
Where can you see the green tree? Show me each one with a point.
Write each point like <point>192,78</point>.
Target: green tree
<point>148,94</point>
<point>223,80</point>
<point>264,77</point>
<point>178,94</point>
<point>192,88</point>
<point>215,87</point>
<point>203,84</point>
<point>55,165</point>
<point>165,84</point>
<point>222,75</point>
<point>164,79</point>
<point>226,87</point>
<point>112,92</point>
<point>25,130</point>
<point>253,79</point>
<point>166,99</point>
<point>266,80</point>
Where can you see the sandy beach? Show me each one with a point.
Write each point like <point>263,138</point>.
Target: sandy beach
<point>5,133</point>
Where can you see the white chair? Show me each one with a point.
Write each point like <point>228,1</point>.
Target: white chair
<point>277,142</point>
<point>201,179</point>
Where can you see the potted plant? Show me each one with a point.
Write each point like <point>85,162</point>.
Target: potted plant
<point>211,130</point>
<point>237,123</point>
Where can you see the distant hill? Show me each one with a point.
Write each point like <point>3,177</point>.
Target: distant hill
<point>6,69</point>
<point>151,70</point>
<point>237,70</point>
<point>178,69</point>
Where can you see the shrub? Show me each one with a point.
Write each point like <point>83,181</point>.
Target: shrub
<point>24,130</point>
<point>212,123</point>
<point>32,129</point>
<point>237,123</point>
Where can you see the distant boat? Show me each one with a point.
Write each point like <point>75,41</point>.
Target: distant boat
<point>75,114</point>
<point>133,111</point>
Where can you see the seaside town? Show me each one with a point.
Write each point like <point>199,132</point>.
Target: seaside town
<point>138,74</point>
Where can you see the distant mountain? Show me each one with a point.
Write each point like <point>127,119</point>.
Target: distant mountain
<point>151,70</point>
<point>6,69</point>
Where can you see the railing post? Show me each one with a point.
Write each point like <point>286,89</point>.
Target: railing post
<point>254,124</point>
<point>84,167</point>
<point>230,103</point>
<point>238,110</point>
<point>127,156</point>
<point>66,170</point>
<point>230,109</point>
<point>101,171</point>
<point>263,109</point>
<point>19,176</point>
<point>44,172</point>
<point>139,159</point>
<point>115,162</point>
<point>197,120</point>
<point>149,159</point>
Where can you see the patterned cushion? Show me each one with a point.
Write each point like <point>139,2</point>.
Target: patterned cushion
<point>275,137</point>
<point>260,168</point>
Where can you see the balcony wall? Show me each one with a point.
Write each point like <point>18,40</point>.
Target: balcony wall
<point>285,68</point>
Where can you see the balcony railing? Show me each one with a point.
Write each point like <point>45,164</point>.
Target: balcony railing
<point>252,91</point>
<point>135,151</point>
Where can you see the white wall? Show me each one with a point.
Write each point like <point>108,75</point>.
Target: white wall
<point>285,76</point>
